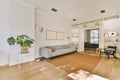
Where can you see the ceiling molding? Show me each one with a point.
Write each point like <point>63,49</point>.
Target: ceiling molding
<point>25,3</point>
<point>96,21</point>
<point>112,17</point>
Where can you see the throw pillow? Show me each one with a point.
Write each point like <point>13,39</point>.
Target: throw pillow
<point>52,49</point>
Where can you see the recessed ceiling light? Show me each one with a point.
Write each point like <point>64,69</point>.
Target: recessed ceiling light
<point>102,11</point>
<point>74,19</point>
<point>54,10</point>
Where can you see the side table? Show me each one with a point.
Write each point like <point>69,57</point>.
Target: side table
<point>25,55</point>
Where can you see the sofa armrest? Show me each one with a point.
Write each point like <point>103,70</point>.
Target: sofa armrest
<point>46,52</point>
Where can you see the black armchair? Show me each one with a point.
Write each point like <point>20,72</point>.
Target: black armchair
<point>111,50</point>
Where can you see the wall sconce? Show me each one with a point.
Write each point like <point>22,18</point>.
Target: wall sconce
<point>40,29</point>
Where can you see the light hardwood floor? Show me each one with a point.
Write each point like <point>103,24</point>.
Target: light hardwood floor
<point>45,71</point>
<point>108,68</point>
<point>38,71</point>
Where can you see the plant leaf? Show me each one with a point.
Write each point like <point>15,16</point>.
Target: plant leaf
<point>11,41</point>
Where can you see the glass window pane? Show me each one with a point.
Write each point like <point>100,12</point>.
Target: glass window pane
<point>94,36</point>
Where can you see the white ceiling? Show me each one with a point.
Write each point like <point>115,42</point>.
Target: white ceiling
<point>82,10</point>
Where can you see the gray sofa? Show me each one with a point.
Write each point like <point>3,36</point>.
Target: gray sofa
<point>52,51</point>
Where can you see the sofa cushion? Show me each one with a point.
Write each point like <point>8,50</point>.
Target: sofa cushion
<point>51,51</point>
<point>66,46</point>
<point>57,47</point>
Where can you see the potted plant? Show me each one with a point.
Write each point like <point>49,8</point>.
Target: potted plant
<point>23,40</point>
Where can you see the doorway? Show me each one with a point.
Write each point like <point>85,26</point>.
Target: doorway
<point>91,39</point>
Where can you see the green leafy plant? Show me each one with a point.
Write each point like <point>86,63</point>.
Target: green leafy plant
<point>22,40</point>
<point>11,41</point>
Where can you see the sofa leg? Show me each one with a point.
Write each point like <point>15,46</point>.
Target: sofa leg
<point>42,58</point>
<point>108,56</point>
<point>51,58</point>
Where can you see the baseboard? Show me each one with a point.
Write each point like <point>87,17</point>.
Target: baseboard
<point>80,50</point>
<point>37,58</point>
<point>7,65</point>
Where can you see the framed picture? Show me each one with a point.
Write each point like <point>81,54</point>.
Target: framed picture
<point>60,35</point>
<point>51,35</point>
<point>54,35</point>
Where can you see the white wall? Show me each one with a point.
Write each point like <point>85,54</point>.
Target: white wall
<point>50,22</point>
<point>87,35</point>
<point>111,24</point>
<point>22,21</point>
<point>108,25</point>
<point>4,31</point>
<point>81,41</point>
<point>18,18</point>
<point>15,18</point>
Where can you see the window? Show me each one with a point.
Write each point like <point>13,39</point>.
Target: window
<point>94,36</point>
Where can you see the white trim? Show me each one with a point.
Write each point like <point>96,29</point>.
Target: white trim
<point>26,4</point>
<point>101,19</point>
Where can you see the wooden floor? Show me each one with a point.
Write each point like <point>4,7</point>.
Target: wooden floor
<point>73,62</point>
<point>45,71</point>
<point>108,68</point>
<point>38,71</point>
